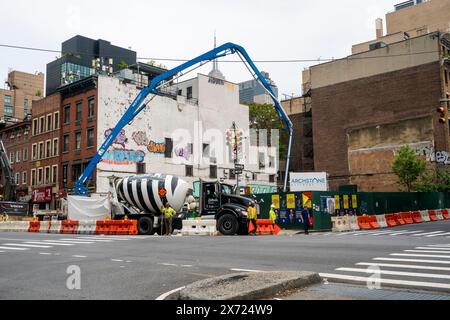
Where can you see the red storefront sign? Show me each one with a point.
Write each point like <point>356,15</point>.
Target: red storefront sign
<point>42,195</point>
<point>61,194</point>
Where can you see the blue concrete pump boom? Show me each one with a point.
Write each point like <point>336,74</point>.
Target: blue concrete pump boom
<point>140,104</point>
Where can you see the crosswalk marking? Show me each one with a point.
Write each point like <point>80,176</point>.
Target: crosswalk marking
<point>386,281</point>
<point>438,235</point>
<point>403,233</point>
<point>16,249</point>
<point>434,248</point>
<point>427,251</point>
<point>412,260</point>
<point>94,239</point>
<point>427,233</point>
<point>402,266</point>
<point>418,255</point>
<point>26,245</point>
<point>396,273</point>
<point>74,241</point>
<point>52,243</point>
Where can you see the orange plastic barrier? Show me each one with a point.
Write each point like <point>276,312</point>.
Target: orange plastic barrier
<point>374,222</point>
<point>432,215</point>
<point>264,227</point>
<point>399,219</point>
<point>34,227</point>
<point>364,223</point>
<point>407,217</point>
<point>133,230</point>
<point>69,227</point>
<point>417,217</point>
<point>117,227</point>
<point>103,227</point>
<point>445,214</point>
<point>391,220</point>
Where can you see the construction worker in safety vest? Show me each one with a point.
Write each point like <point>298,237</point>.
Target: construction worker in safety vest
<point>252,216</point>
<point>272,214</point>
<point>4,217</point>
<point>168,213</point>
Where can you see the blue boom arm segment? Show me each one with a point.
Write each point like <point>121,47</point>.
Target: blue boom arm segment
<point>139,104</point>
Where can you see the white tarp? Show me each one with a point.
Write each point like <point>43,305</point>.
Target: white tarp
<point>88,208</point>
<point>308,181</point>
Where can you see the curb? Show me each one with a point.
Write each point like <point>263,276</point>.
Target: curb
<point>247,286</point>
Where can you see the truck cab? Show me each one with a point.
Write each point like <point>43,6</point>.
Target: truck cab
<point>220,201</point>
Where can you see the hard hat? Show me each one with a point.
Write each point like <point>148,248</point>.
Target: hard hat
<point>273,207</point>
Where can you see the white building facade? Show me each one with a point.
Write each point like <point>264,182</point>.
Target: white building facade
<point>182,134</point>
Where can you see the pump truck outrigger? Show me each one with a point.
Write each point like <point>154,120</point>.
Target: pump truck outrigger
<point>227,209</point>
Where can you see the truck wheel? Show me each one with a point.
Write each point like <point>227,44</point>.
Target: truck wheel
<point>228,225</point>
<point>145,226</point>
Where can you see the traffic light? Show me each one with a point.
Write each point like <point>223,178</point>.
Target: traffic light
<point>238,143</point>
<point>230,137</point>
<point>443,115</point>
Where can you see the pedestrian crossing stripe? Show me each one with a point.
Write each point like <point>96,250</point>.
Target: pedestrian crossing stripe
<point>395,273</point>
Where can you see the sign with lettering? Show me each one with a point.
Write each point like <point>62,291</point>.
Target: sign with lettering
<point>42,195</point>
<point>314,181</point>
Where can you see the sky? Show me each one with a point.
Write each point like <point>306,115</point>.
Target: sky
<point>268,30</point>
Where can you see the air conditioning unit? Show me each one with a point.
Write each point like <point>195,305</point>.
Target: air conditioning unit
<point>377,45</point>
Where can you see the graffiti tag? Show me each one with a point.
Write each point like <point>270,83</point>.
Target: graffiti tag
<point>121,139</point>
<point>124,157</point>
<point>182,153</point>
<point>440,157</point>
<point>140,138</point>
<point>155,147</point>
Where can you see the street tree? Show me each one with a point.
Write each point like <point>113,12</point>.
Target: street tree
<point>408,167</point>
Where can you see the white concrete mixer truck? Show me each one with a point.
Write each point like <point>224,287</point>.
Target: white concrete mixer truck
<point>141,197</point>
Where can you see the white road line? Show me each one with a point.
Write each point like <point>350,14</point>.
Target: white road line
<point>426,251</point>
<point>168,264</point>
<point>440,245</point>
<point>406,232</point>
<point>75,241</point>
<point>26,245</point>
<point>165,295</point>
<point>50,243</point>
<point>412,260</point>
<point>434,248</point>
<point>77,256</point>
<point>186,266</point>
<point>402,266</point>
<point>427,233</point>
<point>2,251</point>
<point>384,233</point>
<point>438,235</point>
<point>418,255</point>
<point>17,249</point>
<point>386,281</point>
<point>396,273</point>
<point>112,238</point>
<point>45,253</point>
<point>116,260</point>
<point>96,240</point>
<point>246,270</point>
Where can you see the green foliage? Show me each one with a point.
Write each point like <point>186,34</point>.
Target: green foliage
<point>437,180</point>
<point>122,65</point>
<point>264,116</point>
<point>408,167</point>
<point>39,93</point>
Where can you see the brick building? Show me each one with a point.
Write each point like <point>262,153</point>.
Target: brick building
<point>45,151</point>
<point>15,138</point>
<point>366,106</point>
<point>23,90</point>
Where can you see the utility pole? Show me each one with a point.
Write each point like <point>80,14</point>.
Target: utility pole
<point>236,142</point>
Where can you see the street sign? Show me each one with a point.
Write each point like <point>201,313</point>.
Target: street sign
<point>239,167</point>
<point>235,171</point>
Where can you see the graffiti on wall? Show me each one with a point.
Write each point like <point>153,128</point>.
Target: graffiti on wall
<point>440,157</point>
<point>121,139</point>
<point>183,153</point>
<point>141,138</point>
<point>156,147</point>
<point>123,157</point>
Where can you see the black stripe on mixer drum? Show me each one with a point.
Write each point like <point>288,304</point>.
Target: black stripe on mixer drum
<point>121,194</point>
<point>151,196</point>
<point>174,184</point>
<point>141,197</point>
<point>130,193</point>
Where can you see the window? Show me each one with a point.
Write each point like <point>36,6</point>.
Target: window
<point>272,178</point>
<point>18,155</point>
<point>180,92</point>
<point>24,177</point>
<point>25,154</point>
<point>41,124</point>
<point>79,110</point>
<point>48,149</point>
<point>213,172</point>
<point>34,152</point>
<point>55,147</point>
<point>66,114</point>
<point>232,175</point>
<point>189,171</point>
<point>77,140</point>
<point>76,172</point>
<point>40,177</point>
<point>35,127</point>
<point>17,178</point>
<point>33,177</point>
<point>169,148</point>
<point>9,111</point>
<point>205,150</point>
<point>191,148</point>
<point>11,157</point>
<point>55,174</point>
<point>41,151</point>
<point>49,122</point>
<point>25,106</point>
<point>64,172</point>
<point>47,175</point>
<point>66,143</point>
<point>91,105</point>
<point>141,168</point>
<point>8,100</point>
<point>56,120</point>
<point>189,93</point>
<point>90,137</point>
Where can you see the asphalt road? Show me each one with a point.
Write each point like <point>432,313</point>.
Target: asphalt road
<point>127,267</point>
